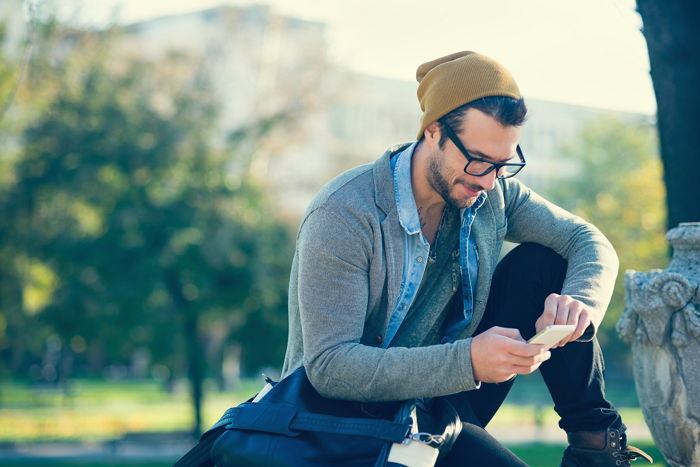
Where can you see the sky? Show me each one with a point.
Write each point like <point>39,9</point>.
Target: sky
<point>588,53</point>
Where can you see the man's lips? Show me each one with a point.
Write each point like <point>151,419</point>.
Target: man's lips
<point>469,191</point>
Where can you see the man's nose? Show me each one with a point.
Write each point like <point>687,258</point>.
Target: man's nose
<point>488,181</point>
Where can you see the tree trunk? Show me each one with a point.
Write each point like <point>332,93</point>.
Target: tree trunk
<point>195,364</point>
<point>193,343</point>
<point>672,32</point>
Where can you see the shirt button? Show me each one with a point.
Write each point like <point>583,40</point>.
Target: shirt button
<point>403,307</point>
<point>378,339</point>
<point>419,259</point>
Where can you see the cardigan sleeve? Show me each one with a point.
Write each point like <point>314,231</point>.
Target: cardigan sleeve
<point>333,289</point>
<point>592,261</point>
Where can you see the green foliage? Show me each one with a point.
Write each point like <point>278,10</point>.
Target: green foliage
<point>617,185</point>
<point>124,228</point>
<point>8,73</point>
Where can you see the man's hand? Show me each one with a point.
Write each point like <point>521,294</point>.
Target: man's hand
<point>498,354</point>
<point>562,309</point>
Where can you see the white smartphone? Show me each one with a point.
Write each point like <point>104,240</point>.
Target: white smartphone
<point>552,334</point>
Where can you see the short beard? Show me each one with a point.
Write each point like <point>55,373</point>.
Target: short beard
<point>441,186</point>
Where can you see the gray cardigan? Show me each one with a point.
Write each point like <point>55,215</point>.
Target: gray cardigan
<point>346,275</point>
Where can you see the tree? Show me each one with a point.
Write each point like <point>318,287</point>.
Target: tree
<point>616,185</point>
<point>672,34</point>
<point>132,228</point>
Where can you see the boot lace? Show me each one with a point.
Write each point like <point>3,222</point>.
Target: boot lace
<point>624,458</point>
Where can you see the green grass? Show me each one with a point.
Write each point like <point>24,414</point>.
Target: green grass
<point>533,454</point>
<point>510,414</point>
<point>98,410</point>
<point>83,463</point>
<point>548,455</point>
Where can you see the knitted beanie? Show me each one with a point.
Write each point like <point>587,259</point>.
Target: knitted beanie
<point>449,82</point>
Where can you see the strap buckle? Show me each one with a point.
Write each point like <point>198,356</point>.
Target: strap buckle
<point>427,438</point>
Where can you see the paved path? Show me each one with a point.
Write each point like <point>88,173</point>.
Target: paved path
<point>85,452</point>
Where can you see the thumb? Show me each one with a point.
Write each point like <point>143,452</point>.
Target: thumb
<point>507,332</point>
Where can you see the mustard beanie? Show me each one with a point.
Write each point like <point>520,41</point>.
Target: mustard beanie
<point>449,82</point>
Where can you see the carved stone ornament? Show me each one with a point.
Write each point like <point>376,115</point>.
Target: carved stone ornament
<point>661,322</point>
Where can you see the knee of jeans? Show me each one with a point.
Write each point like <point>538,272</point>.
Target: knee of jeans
<point>534,262</point>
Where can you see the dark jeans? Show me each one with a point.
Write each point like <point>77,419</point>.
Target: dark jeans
<point>573,375</point>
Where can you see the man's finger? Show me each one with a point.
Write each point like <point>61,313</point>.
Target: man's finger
<point>584,320</point>
<point>549,313</point>
<point>574,313</point>
<point>537,359</point>
<point>525,370</point>
<point>523,349</point>
<point>573,320</point>
<point>507,332</point>
<point>564,304</point>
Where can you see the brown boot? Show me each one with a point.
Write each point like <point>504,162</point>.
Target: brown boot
<point>601,448</point>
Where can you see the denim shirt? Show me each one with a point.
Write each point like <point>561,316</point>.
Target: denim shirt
<point>417,250</point>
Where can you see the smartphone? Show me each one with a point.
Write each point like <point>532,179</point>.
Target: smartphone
<point>552,334</point>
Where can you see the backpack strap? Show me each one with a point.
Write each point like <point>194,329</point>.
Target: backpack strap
<point>199,455</point>
<point>288,421</point>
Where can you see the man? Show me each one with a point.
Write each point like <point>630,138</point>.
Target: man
<point>397,292</point>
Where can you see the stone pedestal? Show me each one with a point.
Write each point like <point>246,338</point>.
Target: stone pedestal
<point>661,322</point>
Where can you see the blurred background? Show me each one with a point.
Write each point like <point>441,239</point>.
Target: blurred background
<point>155,159</point>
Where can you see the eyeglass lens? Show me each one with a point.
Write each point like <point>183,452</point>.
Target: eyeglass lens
<point>477,168</point>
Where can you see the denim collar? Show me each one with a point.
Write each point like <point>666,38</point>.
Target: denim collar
<point>477,204</point>
<point>403,191</point>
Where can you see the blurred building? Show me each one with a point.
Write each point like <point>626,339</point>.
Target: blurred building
<point>13,28</point>
<point>378,112</point>
<point>254,55</point>
<point>263,63</point>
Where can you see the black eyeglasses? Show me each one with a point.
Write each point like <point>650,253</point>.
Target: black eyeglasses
<point>480,167</point>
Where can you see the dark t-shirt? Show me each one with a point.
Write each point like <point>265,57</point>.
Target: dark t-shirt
<point>425,320</point>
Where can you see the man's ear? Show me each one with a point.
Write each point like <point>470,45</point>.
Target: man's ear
<point>432,132</point>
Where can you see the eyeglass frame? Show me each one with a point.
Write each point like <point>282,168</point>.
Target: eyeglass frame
<point>453,137</point>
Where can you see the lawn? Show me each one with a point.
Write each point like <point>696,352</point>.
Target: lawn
<point>96,410</point>
<point>534,454</point>
<point>99,411</point>
<point>549,455</point>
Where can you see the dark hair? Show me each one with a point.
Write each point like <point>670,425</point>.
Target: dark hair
<point>507,111</point>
